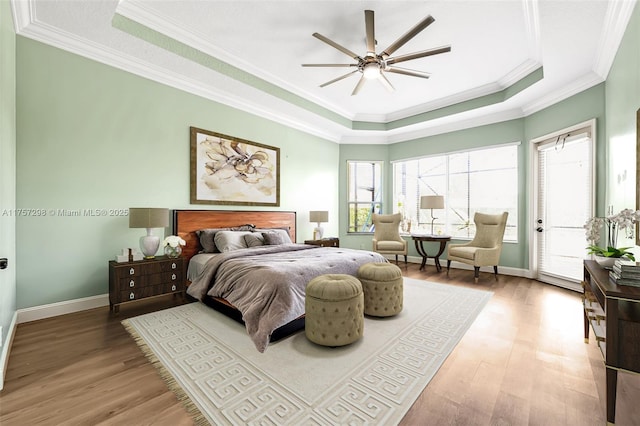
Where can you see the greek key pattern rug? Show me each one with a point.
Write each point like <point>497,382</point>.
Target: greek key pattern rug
<point>211,364</point>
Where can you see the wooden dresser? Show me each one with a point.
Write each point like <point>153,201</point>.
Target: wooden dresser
<point>613,312</point>
<point>130,281</point>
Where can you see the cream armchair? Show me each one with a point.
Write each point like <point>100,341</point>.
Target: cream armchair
<point>386,235</point>
<point>486,246</point>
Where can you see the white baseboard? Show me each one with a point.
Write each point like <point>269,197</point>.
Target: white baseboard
<point>62,308</point>
<point>6,348</point>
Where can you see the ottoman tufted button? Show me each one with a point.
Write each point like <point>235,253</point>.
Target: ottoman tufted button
<point>382,285</point>
<point>334,310</point>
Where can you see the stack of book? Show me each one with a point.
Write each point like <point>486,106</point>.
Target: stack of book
<point>625,272</point>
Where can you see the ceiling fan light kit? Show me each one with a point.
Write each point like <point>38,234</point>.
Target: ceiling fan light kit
<point>373,66</point>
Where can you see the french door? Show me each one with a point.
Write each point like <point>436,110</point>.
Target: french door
<point>564,200</point>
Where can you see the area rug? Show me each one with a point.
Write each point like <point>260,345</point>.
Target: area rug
<point>210,362</point>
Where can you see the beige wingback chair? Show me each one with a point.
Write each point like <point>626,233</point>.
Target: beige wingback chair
<point>386,235</point>
<point>486,246</point>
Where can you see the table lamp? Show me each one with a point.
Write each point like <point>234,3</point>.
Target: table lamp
<point>149,218</point>
<point>318,217</point>
<point>432,202</point>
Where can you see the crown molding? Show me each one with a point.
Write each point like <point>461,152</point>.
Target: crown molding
<point>29,27</point>
<point>572,88</point>
<point>616,20</point>
<point>138,12</point>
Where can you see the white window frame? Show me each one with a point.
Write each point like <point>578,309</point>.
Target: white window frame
<point>375,205</point>
<point>421,219</point>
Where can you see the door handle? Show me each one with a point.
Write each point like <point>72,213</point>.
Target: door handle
<point>4,262</point>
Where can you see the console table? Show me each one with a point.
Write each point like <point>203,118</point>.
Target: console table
<point>420,239</point>
<point>613,312</point>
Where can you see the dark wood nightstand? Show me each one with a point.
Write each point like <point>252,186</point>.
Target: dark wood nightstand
<point>325,242</point>
<point>130,281</point>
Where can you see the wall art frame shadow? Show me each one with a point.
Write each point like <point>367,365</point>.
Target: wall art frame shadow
<point>226,170</point>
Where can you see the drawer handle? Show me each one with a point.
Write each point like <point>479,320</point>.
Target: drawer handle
<point>132,271</point>
<point>173,277</point>
<point>132,296</point>
<point>173,265</point>
<point>173,287</point>
<point>132,283</point>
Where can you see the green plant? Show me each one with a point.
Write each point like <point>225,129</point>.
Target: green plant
<point>611,252</point>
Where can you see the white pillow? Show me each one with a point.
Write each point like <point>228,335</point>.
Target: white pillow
<point>230,240</point>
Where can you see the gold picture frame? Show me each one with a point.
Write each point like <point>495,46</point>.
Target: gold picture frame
<point>232,171</point>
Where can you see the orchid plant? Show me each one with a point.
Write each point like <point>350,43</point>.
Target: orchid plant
<point>625,220</point>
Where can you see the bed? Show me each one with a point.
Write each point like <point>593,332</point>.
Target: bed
<point>261,286</point>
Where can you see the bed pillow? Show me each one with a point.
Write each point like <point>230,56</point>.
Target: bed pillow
<point>206,237</point>
<point>230,240</point>
<point>254,239</point>
<point>284,233</point>
<point>273,238</point>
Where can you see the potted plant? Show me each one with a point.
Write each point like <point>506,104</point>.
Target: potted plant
<point>606,256</point>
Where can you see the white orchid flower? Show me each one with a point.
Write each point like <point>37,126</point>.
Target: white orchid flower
<point>174,241</point>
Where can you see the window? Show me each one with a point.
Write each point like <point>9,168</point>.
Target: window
<point>483,180</point>
<point>365,195</point>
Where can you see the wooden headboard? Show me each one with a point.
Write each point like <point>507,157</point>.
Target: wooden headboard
<point>187,222</point>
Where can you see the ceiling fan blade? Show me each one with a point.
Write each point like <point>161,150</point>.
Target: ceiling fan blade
<point>370,31</point>
<point>358,86</point>
<point>338,79</point>
<point>408,36</point>
<point>337,46</point>
<point>404,71</point>
<point>329,65</point>
<point>416,55</point>
<point>386,83</point>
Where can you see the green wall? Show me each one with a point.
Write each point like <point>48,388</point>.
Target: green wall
<point>622,103</point>
<point>7,173</point>
<point>94,137</point>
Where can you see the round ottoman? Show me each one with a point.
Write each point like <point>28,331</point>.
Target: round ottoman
<point>382,286</point>
<point>334,310</point>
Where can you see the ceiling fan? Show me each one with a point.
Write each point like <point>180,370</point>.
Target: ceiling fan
<point>373,65</point>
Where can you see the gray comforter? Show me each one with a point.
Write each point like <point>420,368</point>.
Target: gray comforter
<point>267,284</point>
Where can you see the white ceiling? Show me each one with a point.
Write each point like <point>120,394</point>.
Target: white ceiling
<point>494,45</point>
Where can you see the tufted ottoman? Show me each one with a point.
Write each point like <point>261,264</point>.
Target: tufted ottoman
<point>334,310</point>
<point>382,286</point>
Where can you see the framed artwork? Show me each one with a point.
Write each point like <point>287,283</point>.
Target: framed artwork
<point>233,171</point>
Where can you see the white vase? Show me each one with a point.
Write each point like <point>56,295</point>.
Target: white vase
<point>605,262</point>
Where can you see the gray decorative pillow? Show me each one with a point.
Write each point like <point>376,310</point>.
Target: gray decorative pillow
<point>207,236</point>
<point>284,233</point>
<point>254,239</point>
<point>273,238</point>
<point>230,240</point>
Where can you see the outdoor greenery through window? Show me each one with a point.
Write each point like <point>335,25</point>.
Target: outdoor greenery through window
<point>483,180</point>
<point>365,195</point>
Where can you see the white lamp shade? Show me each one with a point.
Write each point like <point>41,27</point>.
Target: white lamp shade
<point>319,216</point>
<point>432,202</point>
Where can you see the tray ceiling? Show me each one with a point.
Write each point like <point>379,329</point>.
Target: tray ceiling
<point>508,59</point>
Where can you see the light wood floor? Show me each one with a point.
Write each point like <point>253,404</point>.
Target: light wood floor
<point>523,362</point>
